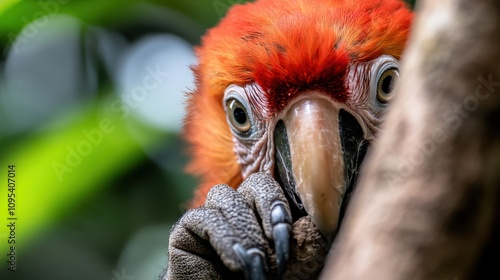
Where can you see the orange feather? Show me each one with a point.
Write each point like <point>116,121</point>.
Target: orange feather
<point>286,46</point>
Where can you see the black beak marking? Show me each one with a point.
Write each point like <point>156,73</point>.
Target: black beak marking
<point>354,150</point>
<point>283,170</point>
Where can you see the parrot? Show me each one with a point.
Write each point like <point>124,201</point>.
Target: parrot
<point>289,96</point>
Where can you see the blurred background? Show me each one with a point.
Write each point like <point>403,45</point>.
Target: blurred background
<point>91,106</point>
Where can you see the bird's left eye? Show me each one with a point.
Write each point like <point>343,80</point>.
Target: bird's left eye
<point>238,115</point>
<point>386,84</point>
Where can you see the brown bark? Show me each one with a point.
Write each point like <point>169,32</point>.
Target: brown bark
<point>427,206</point>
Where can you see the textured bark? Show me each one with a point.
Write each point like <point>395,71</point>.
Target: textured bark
<point>427,206</point>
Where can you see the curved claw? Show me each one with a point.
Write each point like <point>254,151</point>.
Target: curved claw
<point>281,235</point>
<point>281,222</point>
<point>252,262</point>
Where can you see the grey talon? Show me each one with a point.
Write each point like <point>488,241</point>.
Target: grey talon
<point>279,214</point>
<point>281,236</point>
<point>281,221</point>
<point>242,255</point>
<point>252,262</point>
<point>257,267</point>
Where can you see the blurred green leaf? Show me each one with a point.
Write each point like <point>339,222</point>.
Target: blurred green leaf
<point>5,4</point>
<point>56,170</point>
<point>16,14</point>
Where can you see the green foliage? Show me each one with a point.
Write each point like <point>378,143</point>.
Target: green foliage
<point>85,184</point>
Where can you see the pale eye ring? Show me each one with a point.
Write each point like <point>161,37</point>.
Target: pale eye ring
<point>386,85</point>
<point>238,116</point>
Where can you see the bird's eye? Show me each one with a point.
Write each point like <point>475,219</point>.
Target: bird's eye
<point>238,115</point>
<point>386,84</point>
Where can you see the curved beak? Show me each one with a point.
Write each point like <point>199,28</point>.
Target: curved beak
<point>314,161</point>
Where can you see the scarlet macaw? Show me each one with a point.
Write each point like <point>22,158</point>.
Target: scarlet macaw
<point>289,94</point>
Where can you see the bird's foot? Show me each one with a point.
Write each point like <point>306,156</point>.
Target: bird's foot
<point>244,233</point>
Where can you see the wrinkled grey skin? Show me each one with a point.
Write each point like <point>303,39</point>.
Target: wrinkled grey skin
<point>232,235</point>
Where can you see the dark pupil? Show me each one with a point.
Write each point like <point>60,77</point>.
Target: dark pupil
<point>240,116</point>
<point>387,84</point>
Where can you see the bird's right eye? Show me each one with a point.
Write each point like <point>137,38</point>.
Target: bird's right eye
<point>238,116</point>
